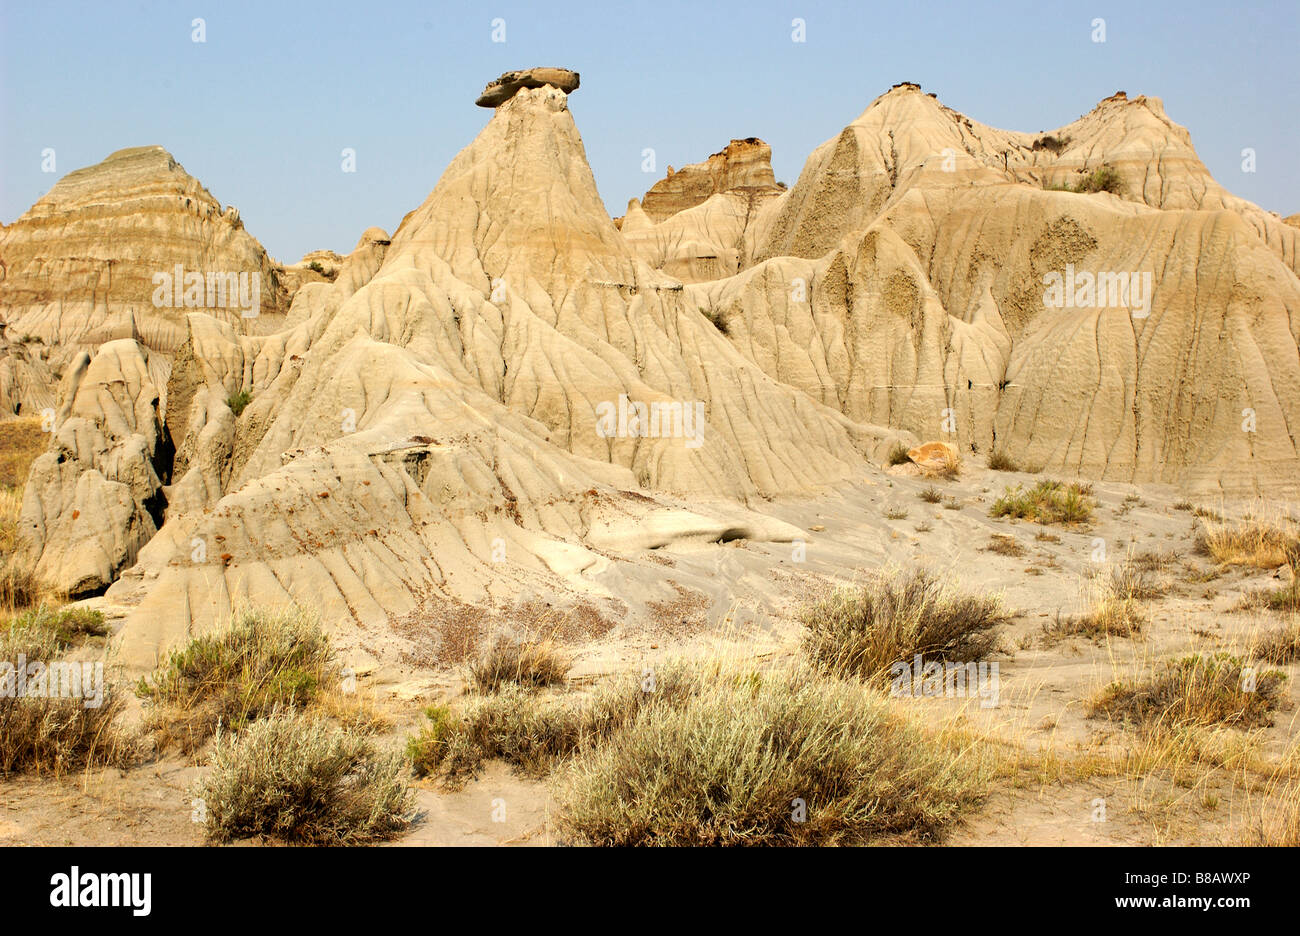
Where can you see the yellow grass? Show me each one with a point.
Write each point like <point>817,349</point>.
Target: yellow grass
<point>1257,542</point>
<point>21,440</point>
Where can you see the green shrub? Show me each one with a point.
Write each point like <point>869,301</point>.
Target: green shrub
<point>238,401</point>
<point>263,660</point>
<point>1046,502</point>
<point>1102,179</point>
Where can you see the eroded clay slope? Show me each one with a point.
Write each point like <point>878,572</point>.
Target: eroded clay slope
<point>439,405</point>
<point>917,296</point>
<point>80,264</point>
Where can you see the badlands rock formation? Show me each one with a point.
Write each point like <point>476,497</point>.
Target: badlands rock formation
<point>80,265</point>
<point>693,223</point>
<point>741,166</point>
<point>470,390</point>
<point>908,282</point>
<point>511,391</point>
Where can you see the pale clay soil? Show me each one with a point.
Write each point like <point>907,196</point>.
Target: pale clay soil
<point>740,597</point>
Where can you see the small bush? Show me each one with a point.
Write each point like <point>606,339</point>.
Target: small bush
<point>301,779</point>
<point>526,731</point>
<point>1046,502</point>
<point>776,757</point>
<point>238,401</point>
<point>526,661</point>
<point>863,630</point>
<point>1001,461</point>
<point>263,660</point>
<point>1053,144</point>
<point>315,267</point>
<point>1197,690</point>
<point>898,454</point>
<point>1102,179</point>
<point>427,749</point>
<point>531,731</point>
<point>1004,545</point>
<point>716,319</point>
<point>931,495</point>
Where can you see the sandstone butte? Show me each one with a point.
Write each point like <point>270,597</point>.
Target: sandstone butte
<point>435,401</point>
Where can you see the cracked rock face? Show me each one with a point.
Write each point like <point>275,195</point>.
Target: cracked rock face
<point>511,83</point>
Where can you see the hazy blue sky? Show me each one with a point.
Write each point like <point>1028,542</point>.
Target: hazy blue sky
<point>261,111</point>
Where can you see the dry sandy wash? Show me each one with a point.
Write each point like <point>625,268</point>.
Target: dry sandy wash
<point>672,427</point>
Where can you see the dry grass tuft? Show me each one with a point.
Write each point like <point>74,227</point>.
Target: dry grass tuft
<point>302,779</point>
<point>21,440</point>
<point>949,469</point>
<point>1195,691</point>
<point>1280,826</point>
<point>1116,608</point>
<point>1004,545</point>
<point>525,661</point>
<point>898,454</point>
<point>1001,461</point>
<point>1255,543</point>
<point>863,630</point>
<point>64,717</point>
<point>1281,647</point>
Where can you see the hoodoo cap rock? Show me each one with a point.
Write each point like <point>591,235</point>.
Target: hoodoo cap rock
<point>508,85</point>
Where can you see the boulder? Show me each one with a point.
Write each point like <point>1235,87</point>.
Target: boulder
<point>512,82</point>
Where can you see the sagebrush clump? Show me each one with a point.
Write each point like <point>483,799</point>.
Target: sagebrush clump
<point>302,779</point>
<point>263,660</point>
<point>863,630</point>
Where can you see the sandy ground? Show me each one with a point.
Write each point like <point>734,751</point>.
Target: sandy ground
<point>695,598</point>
